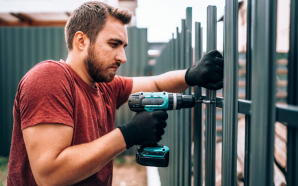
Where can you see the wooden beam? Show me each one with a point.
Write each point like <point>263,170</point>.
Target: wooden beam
<point>22,17</point>
<point>48,23</point>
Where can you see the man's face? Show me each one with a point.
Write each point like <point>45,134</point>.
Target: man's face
<point>107,53</point>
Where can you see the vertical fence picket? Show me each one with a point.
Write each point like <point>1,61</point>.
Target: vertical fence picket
<point>198,124</point>
<point>247,94</point>
<point>177,116</point>
<point>230,94</point>
<point>181,112</point>
<point>292,150</point>
<point>210,143</point>
<point>263,94</point>
<point>187,121</point>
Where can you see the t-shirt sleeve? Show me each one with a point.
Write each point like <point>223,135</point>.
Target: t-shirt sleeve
<point>45,96</point>
<point>123,86</point>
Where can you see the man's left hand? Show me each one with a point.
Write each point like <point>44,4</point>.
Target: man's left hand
<point>208,72</point>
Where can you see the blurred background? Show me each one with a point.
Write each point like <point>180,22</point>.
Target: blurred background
<point>32,31</point>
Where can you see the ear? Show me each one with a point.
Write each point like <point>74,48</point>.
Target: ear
<point>80,40</point>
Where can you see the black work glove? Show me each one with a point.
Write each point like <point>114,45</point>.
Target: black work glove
<point>208,72</point>
<point>145,128</point>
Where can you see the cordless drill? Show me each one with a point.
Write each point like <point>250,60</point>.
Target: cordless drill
<point>157,156</point>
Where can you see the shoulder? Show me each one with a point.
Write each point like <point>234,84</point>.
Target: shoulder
<point>44,92</point>
<point>46,72</point>
<point>46,77</point>
<point>48,68</point>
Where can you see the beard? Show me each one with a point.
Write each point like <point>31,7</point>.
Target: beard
<point>96,68</point>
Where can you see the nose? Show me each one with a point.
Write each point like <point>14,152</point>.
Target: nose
<point>121,56</point>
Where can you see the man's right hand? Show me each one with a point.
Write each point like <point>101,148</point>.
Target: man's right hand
<point>145,128</point>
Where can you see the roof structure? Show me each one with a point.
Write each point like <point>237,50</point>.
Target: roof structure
<point>33,19</point>
<point>45,13</point>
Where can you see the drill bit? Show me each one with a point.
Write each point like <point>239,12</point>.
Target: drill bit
<point>205,101</point>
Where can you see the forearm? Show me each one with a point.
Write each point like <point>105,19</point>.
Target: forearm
<point>78,162</point>
<point>173,81</point>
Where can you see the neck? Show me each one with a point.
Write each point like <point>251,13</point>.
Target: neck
<point>76,62</point>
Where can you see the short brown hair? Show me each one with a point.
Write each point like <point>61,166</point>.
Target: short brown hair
<point>90,18</point>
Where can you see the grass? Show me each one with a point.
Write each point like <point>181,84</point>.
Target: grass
<point>3,170</point>
<point>128,172</point>
<point>126,163</point>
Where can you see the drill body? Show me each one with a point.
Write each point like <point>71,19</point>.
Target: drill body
<point>157,156</point>
<point>153,101</point>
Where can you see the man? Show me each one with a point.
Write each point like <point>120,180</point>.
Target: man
<point>64,112</point>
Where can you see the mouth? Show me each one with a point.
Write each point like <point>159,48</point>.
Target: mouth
<point>115,67</point>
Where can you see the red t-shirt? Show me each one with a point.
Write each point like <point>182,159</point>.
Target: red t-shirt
<point>51,92</point>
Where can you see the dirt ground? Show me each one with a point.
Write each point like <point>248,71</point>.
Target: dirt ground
<point>3,170</point>
<point>126,172</point>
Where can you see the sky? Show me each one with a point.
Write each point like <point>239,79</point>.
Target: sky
<point>160,17</point>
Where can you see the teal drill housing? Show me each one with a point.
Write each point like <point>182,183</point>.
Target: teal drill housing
<point>157,156</point>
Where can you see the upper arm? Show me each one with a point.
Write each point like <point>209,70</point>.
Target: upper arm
<point>46,96</point>
<point>44,142</point>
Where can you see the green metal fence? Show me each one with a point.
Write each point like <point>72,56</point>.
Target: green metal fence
<point>136,65</point>
<point>178,55</point>
<point>259,105</point>
<point>20,49</point>
<point>23,47</point>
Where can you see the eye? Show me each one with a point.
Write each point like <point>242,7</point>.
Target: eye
<point>114,45</point>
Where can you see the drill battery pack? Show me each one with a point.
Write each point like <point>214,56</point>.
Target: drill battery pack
<point>153,156</point>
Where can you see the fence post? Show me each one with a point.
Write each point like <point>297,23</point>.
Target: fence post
<point>210,125</point>
<point>263,95</point>
<point>230,94</point>
<point>292,150</point>
<point>177,115</point>
<point>198,124</point>
<point>187,112</point>
<point>247,94</point>
<point>182,112</point>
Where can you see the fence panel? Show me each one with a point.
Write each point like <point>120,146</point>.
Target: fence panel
<point>23,47</point>
<point>20,49</point>
<point>178,137</point>
<point>259,108</point>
